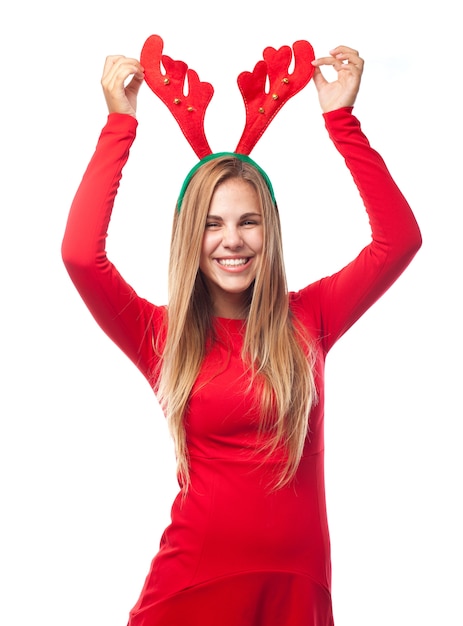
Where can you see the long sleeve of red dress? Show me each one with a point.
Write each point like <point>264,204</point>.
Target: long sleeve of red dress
<point>126,318</point>
<point>346,295</point>
<point>237,553</point>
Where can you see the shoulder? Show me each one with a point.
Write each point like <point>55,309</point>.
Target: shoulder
<point>305,305</point>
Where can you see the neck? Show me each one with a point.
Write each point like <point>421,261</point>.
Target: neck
<point>231,305</point>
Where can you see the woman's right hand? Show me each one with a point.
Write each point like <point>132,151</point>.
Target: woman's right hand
<point>121,97</point>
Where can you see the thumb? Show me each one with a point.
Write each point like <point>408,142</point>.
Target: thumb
<point>318,79</point>
<point>135,83</point>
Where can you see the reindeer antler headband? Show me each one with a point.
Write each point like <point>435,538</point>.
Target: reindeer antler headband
<point>261,106</point>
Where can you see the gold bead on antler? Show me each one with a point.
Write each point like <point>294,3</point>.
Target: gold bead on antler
<point>190,109</point>
<point>275,96</point>
<point>285,81</point>
<point>166,81</point>
<point>261,110</point>
<point>177,101</point>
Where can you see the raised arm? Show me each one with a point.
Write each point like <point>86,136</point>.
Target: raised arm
<point>129,320</point>
<point>339,300</point>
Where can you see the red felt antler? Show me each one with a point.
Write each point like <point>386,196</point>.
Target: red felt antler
<point>261,107</point>
<point>189,110</point>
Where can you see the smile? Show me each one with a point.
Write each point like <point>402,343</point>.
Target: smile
<point>233,262</point>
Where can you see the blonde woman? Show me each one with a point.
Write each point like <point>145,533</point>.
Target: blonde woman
<point>237,362</point>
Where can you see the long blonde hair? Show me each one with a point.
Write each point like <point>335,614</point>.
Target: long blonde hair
<point>277,352</point>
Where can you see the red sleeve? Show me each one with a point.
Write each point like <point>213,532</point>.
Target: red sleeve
<point>129,320</point>
<point>337,301</point>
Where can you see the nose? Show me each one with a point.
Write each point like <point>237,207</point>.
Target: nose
<point>232,238</point>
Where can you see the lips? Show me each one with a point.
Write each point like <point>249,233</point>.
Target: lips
<point>233,262</point>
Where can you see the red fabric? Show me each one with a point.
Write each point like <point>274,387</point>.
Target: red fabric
<point>189,110</point>
<point>263,102</point>
<point>236,554</point>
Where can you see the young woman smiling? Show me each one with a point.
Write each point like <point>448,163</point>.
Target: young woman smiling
<point>237,362</point>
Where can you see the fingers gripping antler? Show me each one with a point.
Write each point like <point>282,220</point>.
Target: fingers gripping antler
<point>189,110</point>
<point>261,107</point>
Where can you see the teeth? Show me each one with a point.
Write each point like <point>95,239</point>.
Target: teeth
<point>232,262</point>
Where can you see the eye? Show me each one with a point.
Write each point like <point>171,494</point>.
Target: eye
<point>249,222</point>
<point>210,225</point>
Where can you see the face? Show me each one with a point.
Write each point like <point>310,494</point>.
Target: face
<point>232,245</point>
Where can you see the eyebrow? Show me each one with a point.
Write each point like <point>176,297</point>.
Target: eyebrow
<point>252,214</point>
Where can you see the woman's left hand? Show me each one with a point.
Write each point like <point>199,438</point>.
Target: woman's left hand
<point>343,91</point>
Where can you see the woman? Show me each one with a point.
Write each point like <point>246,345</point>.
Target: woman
<point>237,363</point>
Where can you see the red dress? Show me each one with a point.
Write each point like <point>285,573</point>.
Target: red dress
<point>236,553</point>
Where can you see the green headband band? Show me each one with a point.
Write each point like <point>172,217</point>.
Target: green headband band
<point>242,157</point>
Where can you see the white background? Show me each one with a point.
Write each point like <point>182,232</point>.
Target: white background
<point>86,464</point>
